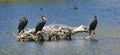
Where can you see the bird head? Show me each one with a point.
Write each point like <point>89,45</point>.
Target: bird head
<point>95,17</point>
<point>44,18</point>
<point>24,17</point>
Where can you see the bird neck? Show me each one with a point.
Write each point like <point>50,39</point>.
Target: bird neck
<point>43,20</point>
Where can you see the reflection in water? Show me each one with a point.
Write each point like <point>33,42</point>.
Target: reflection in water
<point>107,32</point>
<point>62,48</point>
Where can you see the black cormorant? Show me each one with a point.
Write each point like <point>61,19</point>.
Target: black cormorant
<point>40,25</point>
<point>93,24</point>
<point>22,23</point>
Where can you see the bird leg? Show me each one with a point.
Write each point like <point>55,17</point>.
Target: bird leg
<point>20,32</point>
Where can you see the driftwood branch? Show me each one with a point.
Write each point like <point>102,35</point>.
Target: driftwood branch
<point>53,32</point>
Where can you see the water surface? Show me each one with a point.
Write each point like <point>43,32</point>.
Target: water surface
<point>107,31</point>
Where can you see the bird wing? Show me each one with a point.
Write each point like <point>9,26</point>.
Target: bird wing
<point>39,26</point>
<point>93,25</point>
<point>22,23</point>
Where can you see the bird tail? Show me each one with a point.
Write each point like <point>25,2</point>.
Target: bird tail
<point>19,31</point>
